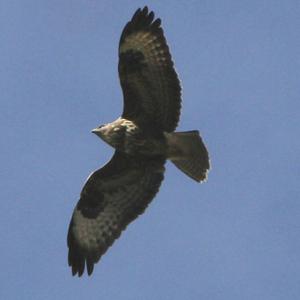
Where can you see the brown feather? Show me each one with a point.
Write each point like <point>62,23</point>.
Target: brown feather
<point>111,198</point>
<point>152,92</point>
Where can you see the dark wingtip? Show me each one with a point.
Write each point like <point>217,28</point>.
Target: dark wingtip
<point>145,10</point>
<point>75,258</point>
<point>90,267</point>
<point>137,12</point>
<point>78,267</point>
<point>156,23</point>
<point>78,261</point>
<point>74,271</point>
<point>141,19</point>
<point>143,15</point>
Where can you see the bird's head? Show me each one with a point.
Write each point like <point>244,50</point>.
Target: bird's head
<point>109,133</point>
<point>101,130</point>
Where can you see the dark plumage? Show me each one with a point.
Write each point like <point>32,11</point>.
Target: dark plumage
<point>147,74</point>
<point>143,139</point>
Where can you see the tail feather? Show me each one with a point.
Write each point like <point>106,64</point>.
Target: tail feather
<point>189,154</point>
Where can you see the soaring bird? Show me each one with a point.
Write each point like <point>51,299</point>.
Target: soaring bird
<point>143,139</point>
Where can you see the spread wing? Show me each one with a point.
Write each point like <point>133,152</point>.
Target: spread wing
<point>111,198</point>
<point>151,89</point>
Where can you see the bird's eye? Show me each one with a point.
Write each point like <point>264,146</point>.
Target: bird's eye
<point>100,126</point>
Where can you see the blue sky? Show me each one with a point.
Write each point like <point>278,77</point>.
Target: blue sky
<point>234,237</point>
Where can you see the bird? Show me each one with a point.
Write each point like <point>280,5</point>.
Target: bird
<point>143,138</point>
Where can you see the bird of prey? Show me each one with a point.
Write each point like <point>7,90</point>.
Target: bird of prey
<point>143,139</point>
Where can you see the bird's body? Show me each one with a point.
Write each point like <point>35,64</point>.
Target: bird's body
<point>143,139</point>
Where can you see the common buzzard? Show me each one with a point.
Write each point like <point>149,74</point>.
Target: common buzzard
<point>143,139</point>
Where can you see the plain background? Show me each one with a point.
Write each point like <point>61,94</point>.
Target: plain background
<point>235,236</point>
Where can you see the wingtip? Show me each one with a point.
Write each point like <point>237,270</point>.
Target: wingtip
<point>137,12</point>
<point>145,9</point>
<point>143,13</point>
<point>157,23</point>
<point>90,268</point>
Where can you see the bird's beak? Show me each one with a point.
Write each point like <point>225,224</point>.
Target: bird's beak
<point>95,130</point>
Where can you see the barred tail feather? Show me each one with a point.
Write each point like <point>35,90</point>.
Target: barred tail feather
<point>189,154</point>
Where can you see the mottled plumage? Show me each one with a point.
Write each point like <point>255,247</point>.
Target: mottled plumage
<point>143,139</point>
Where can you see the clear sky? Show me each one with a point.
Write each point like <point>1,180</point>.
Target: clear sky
<point>235,237</point>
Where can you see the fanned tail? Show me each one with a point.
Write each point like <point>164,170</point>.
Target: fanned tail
<point>188,153</point>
